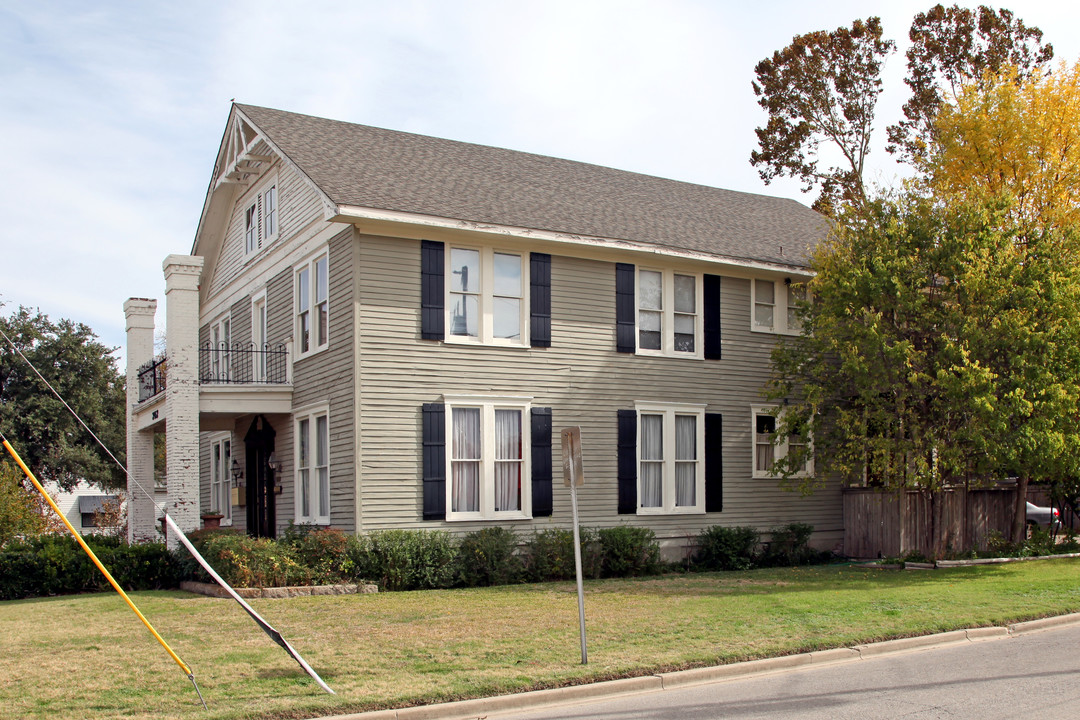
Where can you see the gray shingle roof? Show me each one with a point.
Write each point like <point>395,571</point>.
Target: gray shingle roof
<point>382,169</point>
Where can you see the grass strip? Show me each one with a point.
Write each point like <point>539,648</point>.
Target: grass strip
<point>81,656</point>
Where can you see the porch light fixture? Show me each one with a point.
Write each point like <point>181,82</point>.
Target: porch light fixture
<point>237,473</point>
<point>274,463</point>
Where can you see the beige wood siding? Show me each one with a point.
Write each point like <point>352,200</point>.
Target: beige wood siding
<point>580,377</point>
<point>327,378</point>
<point>240,322</point>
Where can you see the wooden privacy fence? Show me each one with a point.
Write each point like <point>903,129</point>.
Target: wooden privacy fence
<point>890,523</point>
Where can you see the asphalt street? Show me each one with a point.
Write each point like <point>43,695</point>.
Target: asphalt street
<point>1035,674</point>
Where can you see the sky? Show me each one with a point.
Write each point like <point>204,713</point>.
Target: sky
<point>112,112</point>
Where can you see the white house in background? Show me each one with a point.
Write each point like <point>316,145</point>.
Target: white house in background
<point>80,504</point>
<point>376,329</point>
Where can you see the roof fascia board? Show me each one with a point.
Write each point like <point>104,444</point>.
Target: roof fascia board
<point>420,227</point>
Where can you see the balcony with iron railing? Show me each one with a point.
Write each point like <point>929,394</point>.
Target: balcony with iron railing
<point>223,364</point>
<point>243,364</point>
<point>152,378</point>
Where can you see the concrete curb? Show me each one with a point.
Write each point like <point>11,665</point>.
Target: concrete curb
<point>1043,623</point>
<point>911,643</point>
<point>521,701</point>
<point>471,709</point>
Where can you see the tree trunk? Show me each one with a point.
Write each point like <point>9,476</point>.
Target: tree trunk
<point>1019,529</point>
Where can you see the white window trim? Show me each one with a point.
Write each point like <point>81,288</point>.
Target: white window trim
<point>261,238</point>
<point>781,288</point>
<point>486,328</point>
<point>669,411</point>
<point>258,336</point>
<point>779,449</point>
<point>215,485</point>
<point>222,326</point>
<point>268,236</point>
<point>488,404</point>
<point>310,264</point>
<point>667,327</point>
<point>314,518</point>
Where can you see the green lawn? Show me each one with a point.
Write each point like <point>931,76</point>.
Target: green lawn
<point>88,656</point>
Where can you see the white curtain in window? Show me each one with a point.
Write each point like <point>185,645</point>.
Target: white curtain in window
<point>685,460</point>
<point>465,465</point>
<point>507,460</point>
<point>303,468</point>
<point>652,456</point>
<point>322,457</point>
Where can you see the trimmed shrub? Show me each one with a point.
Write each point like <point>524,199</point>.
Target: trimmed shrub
<point>56,565</point>
<point>190,569</point>
<point>404,559</point>
<point>489,557</point>
<point>790,546</point>
<point>244,561</point>
<point>549,555</point>
<point>321,550</point>
<point>629,551</point>
<point>726,548</point>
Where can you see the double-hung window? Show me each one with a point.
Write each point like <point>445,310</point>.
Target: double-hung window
<point>767,449</point>
<point>486,300</point>
<point>220,350</point>
<point>270,212</point>
<point>313,467</point>
<point>312,304</point>
<point>258,337</point>
<point>261,219</point>
<point>775,306</point>
<point>221,477</point>
<point>487,458</point>
<point>668,313</point>
<point>671,467</point>
<point>251,228</point>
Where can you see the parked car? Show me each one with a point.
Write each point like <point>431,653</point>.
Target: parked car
<point>1043,516</point>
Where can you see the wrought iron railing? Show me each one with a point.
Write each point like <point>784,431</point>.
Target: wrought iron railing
<point>243,363</point>
<point>152,377</point>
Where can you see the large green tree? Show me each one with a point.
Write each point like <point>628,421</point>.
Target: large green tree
<point>48,438</point>
<point>942,346</point>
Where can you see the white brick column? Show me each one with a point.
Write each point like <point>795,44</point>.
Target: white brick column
<point>139,313</point>
<point>182,393</point>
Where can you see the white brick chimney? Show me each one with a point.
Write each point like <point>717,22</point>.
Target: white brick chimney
<point>182,394</point>
<point>139,313</point>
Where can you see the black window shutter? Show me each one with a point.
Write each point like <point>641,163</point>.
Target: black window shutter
<point>714,462</point>
<point>434,461</point>
<point>627,467</point>
<point>431,290</point>
<point>541,462</point>
<point>625,326</point>
<point>711,297</point>
<point>540,299</point>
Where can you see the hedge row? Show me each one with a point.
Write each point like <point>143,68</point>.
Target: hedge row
<point>420,559</point>
<point>56,565</point>
<point>394,559</point>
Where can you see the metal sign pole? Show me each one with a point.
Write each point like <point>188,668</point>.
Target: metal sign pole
<point>572,475</point>
<point>577,568</point>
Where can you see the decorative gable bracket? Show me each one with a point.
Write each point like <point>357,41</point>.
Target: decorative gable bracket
<point>238,163</point>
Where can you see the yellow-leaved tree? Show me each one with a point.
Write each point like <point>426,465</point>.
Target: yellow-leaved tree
<point>1008,135</point>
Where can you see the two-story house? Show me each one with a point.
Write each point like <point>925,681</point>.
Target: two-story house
<point>376,329</point>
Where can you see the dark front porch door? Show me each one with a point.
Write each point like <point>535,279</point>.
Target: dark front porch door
<point>261,511</point>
